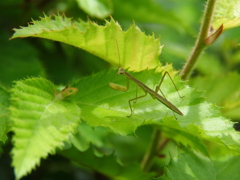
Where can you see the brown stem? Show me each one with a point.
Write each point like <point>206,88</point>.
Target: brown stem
<point>151,153</point>
<point>199,45</point>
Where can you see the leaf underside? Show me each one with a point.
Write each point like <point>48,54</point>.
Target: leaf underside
<point>227,13</point>
<point>135,50</point>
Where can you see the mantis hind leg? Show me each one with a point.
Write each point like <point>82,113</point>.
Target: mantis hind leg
<point>135,99</point>
<point>160,83</point>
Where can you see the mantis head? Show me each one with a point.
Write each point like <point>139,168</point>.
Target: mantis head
<point>120,71</point>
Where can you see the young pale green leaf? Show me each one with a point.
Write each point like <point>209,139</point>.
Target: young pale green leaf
<point>106,165</point>
<point>41,122</point>
<point>189,165</point>
<point>103,106</point>
<point>226,13</point>
<point>135,50</point>
<point>4,114</point>
<point>96,8</point>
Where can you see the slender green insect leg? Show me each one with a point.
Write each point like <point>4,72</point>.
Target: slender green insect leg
<point>136,93</point>
<point>162,93</point>
<point>158,87</point>
<point>129,102</point>
<point>160,83</point>
<point>174,85</point>
<point>173,115</point>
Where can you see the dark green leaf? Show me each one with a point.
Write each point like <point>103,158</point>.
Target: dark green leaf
<point>4,113</point>
<point>107,165</point>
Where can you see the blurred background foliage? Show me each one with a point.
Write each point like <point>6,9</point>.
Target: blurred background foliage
<point>176,22</point>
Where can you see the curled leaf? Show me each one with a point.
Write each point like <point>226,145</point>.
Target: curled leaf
<point>213,36</point>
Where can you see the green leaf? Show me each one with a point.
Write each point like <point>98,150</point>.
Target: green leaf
<point>87,136</point>
<point>4,114</point>
<point>123,146</point>
<point>191,165</point>
<point>226,167</point>
<point>185,138</point>
<point>103,106</point>
<point>187,166</point>
<point>105,142</point>
<point>226,13</point>
<point>136,50</point>
<point>106,165</point>
<point>206,61</point>
<point>222,90</point>
<point>96,8</point>
<point>226,163</point>
<point>41,122</point>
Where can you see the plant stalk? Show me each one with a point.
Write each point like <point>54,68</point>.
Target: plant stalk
<point>153,150</point>
<point>199,45</point>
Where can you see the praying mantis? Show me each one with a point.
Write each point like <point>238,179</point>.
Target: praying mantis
<point>146,89</point>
